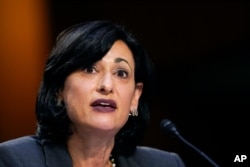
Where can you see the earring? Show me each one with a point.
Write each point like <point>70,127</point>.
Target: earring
<point>59,108</point>
<point>133,113</point>
<point>58,102</point>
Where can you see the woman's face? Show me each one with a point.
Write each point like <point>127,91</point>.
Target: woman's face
<point>101,96</point>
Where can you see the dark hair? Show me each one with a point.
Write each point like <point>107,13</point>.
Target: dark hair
<point>79,47</point>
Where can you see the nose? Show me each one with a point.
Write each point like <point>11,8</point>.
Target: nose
<point>105,84</point>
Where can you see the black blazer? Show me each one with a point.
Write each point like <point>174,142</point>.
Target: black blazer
<point>30,151</point>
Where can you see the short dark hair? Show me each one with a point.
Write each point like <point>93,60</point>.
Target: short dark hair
<point>78,47</point>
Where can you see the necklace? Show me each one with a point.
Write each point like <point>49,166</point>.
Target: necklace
<point>112,161</point>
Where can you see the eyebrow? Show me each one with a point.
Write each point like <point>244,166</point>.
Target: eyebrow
<point>118,60</point>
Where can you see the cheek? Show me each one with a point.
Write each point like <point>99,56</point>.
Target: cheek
<point>126,99</point>
<point>75,93</point>
<point>75,97</point>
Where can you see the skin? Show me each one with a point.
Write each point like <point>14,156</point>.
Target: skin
<point>94,128</point>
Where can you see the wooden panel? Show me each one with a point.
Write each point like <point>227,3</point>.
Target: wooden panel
<point>23,50</point>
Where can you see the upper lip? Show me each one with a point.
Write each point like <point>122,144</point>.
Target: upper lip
<point>104,102</point>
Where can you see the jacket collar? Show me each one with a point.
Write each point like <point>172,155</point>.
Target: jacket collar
<point>127,162</point>
<point>56,154</point>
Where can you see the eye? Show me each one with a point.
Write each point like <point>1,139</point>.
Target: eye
<point>122,73</point>
<point>90,69</point>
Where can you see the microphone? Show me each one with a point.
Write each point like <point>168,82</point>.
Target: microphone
<point>168,127</point>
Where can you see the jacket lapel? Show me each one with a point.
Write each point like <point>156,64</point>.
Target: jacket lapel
<point>127,162</point>
<point>56,155</point>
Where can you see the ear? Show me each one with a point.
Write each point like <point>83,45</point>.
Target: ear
<point>60,95</point>
<point>137,95</point>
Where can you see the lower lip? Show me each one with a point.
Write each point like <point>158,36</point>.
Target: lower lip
<point>103,109</point>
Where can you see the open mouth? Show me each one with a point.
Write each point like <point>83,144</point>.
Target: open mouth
<point>104,105</point>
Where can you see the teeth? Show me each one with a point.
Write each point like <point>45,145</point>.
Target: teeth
<point>102,103</point>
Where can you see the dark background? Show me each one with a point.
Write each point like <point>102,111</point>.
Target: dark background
<point>201,55</point>
<point>202,59</point>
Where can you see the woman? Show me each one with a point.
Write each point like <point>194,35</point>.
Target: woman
<point>93,104</point>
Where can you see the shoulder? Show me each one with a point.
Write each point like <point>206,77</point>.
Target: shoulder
<point>16,151</point>
<point>21,140</point>
<point>21,143</point>
<point>157,157</point>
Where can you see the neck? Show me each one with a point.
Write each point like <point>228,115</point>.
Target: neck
<point>90,151</point>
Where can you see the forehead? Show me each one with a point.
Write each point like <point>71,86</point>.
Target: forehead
<point>119,51</point>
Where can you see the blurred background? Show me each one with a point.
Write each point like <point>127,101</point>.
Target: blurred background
<point>200,51</point>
